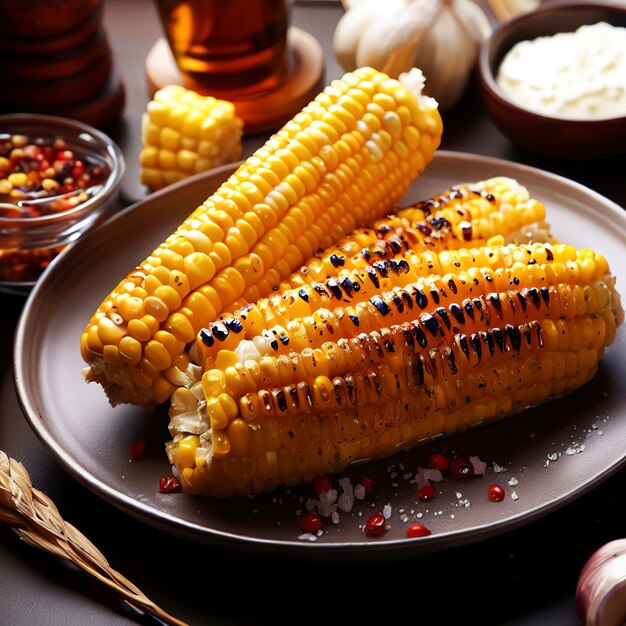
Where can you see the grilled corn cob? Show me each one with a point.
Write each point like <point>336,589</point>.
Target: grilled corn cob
<point>464,215</point>
<point>311,386</point>
<point>345,160</point>
<point>184,133</point>
<point>467,214</point>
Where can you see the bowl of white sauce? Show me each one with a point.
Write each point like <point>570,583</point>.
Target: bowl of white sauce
<point>554,79</point>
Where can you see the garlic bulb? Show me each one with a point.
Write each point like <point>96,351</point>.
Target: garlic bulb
<point>440,37</point>
<point>601,588</point>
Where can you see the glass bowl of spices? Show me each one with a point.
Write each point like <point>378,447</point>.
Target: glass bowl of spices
<point>58,179</point>
<point>554,79</point>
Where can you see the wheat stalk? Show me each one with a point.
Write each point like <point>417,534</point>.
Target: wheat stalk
<point>38,522</point>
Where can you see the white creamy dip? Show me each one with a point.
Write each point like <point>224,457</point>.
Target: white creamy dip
<point>577,75</point>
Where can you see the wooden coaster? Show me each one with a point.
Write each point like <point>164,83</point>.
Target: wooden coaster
<point>267,111</point>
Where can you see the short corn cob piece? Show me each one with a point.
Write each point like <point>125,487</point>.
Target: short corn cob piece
<point>184,133</point>
<point>478,335</point>
<point>343,161</point>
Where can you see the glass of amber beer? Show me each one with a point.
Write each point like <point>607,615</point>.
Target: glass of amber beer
<point>233,48</point>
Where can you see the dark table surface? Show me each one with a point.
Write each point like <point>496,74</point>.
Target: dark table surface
<point>527,576</point>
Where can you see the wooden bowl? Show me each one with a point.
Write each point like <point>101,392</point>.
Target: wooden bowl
<point>550,137</point>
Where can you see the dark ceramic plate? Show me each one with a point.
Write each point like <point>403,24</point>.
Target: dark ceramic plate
<point>554,453</point>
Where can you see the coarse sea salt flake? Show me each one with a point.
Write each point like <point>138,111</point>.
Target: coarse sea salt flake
<point>513,481</point>
<point>346,485</point>
<point>553,456</point>
<point>345,502</point>
<point>387,511</point>
<point>307,537</point>
<point>497,468</point>
<point>514,495</point>
<point>480,467</point>
<point>359,492</point>
<point>334,517</point>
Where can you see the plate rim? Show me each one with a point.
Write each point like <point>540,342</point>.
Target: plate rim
<point>149,514</point>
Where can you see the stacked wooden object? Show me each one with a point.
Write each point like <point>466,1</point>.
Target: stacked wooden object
<point>55,58</point>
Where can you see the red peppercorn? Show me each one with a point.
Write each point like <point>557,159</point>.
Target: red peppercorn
<point>417,530</point>
<point>167,484</point>
<point>322,483</point>
<point>439,462</point>
<point>368,484</point>
<point>138,449</point>
<point>427,492</point>
<point>495,493</point>
<point>460,468</point>
<point>375,525</point>
<point>311,522</point>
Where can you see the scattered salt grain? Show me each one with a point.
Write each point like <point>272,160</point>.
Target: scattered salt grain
<point>393,475</point>
<point>346,485</point>
<point>419,515</point>
<point>451,515</point>
<point>387,511</point>
<point>408,476</point>
<point>514,495</point>
<point>426,475</point>
<point>359,492</point>
<point>346,502</point>
<point>404,518</point>
<point>307,537</point>
<point>320,532</point>
<point>513,481</point>
<point>480,467</point>
<point>464,503</point>
<point>458,495</point>
<point>553,456</point>
<point>497,468</point>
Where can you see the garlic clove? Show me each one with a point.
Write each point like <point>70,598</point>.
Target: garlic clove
<point>351,27</point>
<point>392,41</point>
<point>601,589</point>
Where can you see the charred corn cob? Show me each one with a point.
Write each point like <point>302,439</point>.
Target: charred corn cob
<point>343,161</point>
<point>184,133</point>
<point>470,214</point>
<point>466,214</point>
<point>477,334</point>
